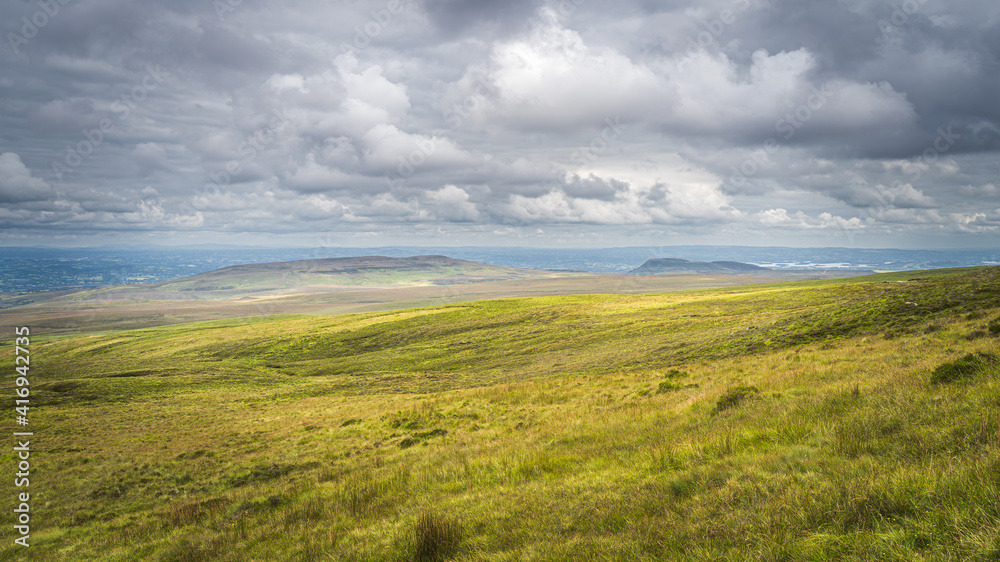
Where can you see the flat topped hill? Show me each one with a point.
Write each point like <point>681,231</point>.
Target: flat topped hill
<point>676,265</point>
<point>364,271</point>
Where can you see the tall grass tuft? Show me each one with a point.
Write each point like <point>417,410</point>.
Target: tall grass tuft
<point>437,538</point>
<point>963,368</point>
<point>735,396</point>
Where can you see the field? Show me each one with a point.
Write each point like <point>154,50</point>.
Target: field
<point>289,292</point>
<point>809,420</point>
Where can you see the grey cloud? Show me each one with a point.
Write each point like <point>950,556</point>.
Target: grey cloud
<point>593,187</point>
<point>367,139</point>
<point>17,184</point>
<point>461,17</point>
<point>64,115</point>
<point>150,156</point>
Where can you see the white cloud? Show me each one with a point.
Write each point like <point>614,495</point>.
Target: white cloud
<point>689,203</point>
<point>452,203</point>
<point>389,148</point>
<point>319,206</point>
<point>551,78</point>
<point>779,217</point>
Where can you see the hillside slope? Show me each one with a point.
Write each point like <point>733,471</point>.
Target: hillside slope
<point>791,421</point>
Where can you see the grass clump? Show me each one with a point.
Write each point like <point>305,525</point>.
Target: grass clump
<point>436,538</point>
<point>976,334</point>
<point>963,368</point>
<point>671,384</point>
<point>421,437</point>
<point>668,386</point>
<point>260,473</point>
<point>735,396</point>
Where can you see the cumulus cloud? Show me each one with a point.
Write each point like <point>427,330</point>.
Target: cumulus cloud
<point>799,220</point>
<point>800,118</point>
<point>452,203</point>
<point>17,184</point>
<point>552,79</point>
<point>629,205</point>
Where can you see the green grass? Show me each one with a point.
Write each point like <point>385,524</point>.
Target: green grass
<point>798,421</point>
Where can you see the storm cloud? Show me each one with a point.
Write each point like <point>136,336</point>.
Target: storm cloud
<point>529,122</point>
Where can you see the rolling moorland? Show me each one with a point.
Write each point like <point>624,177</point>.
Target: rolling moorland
<point>807,420</point>
<point>332,286</point>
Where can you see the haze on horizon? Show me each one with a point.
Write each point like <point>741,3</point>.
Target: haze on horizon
<point>857,123</point>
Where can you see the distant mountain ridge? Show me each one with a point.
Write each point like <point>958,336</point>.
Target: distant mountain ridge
<point>657,266</point>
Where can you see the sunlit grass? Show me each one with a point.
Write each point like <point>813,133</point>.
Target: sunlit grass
<point>534,429</point>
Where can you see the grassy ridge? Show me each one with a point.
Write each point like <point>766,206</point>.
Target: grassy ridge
<point>790,421</point>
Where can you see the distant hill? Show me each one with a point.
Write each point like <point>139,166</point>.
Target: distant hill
<point>366,271</point>
<point>657,266</point>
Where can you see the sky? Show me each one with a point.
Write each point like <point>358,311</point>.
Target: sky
<point>575,123</point>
